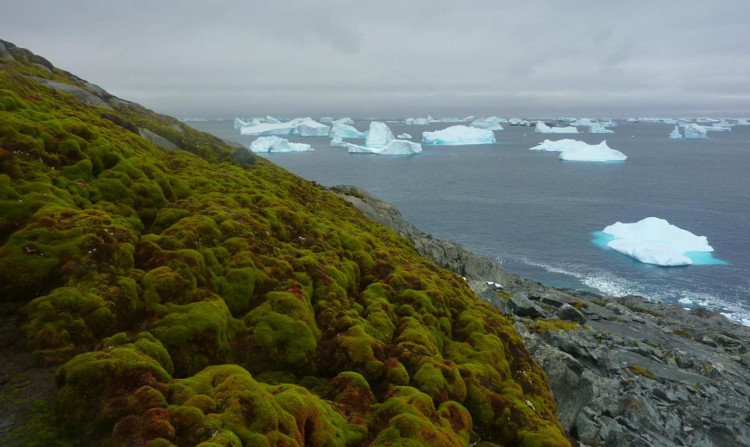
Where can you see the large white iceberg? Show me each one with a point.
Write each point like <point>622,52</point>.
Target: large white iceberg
<point>305,127</point>
<point>492,123</point>
<point>573,150</point>
<point>380,140</point>
<point>599,128</point>
<point>675,134</point>
<point>656,241</point>
<point>276,144</point>
<point>694,131</point>
<point>345,131</point>
<point>543,128</point>
<point>459,135</point>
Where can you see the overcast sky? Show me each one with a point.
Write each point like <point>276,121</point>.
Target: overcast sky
<point>401,57</point>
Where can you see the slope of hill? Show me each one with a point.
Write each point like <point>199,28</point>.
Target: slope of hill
<point>194,294</point>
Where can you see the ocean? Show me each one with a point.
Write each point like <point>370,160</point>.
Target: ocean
<point>538,215</point>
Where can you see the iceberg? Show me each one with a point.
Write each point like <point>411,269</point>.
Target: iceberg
<point>543,128</point>
<point>380,140</point>
<point>394,147</point>
<point>418,121</point>
<point>599,128</point>
<point>272,120</point>
<point>459,135</point>
<point>585,122</point>
<point>742,122</point>
<point>518,122</point>
<point>573,150</point>
<point>276,144</point>
<point>656,241</point>
<point>305,127</point>
<point>239,123</point>
<point>345,131</point>
<point>491,123</point>
<point>348,121</point>
<point>338,142</point>
<point>675,134</point>
<point>326,119</point>
<point>403,136</point>
<point>694,131</point>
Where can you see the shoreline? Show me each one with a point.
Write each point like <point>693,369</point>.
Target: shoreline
<point>625,371</point>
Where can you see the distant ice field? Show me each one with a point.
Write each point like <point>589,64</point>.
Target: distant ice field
<point>538,215</point>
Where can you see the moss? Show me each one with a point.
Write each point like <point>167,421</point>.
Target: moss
<point>641,371</point>
<point>542,326</point>
<point>157,264</point>
<point>683,333</point>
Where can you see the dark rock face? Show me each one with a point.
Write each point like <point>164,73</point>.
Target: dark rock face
<point>624,371</point>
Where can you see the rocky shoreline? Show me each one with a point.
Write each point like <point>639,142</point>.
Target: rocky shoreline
<point>625,371</point>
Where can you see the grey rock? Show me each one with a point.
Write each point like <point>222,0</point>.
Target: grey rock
<point>81,94</point>
<point>4,53</point>
<point>570,313</point>
<point>157,139</point>
<point>522,306</point>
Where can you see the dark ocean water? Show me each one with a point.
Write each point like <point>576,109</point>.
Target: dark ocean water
<point>536,214</point>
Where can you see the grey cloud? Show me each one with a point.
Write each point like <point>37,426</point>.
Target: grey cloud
<point>397,57</point>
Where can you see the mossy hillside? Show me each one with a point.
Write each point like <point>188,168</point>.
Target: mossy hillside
<point>195,301</point>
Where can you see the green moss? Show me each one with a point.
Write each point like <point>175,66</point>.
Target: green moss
<point>641,371</point>
<point>161,263</point>
<point>542,326</point>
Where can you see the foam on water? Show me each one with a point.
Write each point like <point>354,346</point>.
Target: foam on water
<point>608,283</point>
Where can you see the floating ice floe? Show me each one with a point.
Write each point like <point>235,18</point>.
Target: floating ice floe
<point>694,131</point>
<point>656,241</point>
<point>573,150</point>
<point>675,134</point>
<point>742,122</point>
<point>459,135</point>
<point>518,122</point>
<point>404,136</point>
<point>380,140</point>
<point>491,123</point>
<point>338,142</point>
<point>543,128</point>
<point>276,144</point>
<point>345,131</point>
<point>305,127</point>
<point>599,128</point>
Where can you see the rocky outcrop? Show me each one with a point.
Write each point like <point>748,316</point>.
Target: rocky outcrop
<point>625,371</point>
<point>83,95</point>
<point>157,139</point>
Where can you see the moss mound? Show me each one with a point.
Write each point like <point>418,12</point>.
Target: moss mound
<point>200,296</point>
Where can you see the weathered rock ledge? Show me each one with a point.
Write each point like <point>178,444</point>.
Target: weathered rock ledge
<point>625,371</point>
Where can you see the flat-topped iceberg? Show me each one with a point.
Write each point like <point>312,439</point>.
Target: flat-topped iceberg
<point>573,150</point>
<point>305,127</point>
<point>599,128</point>
<point>345,131</point>
<point>380,140</point>
<point>656,241</point>
<point>543,128</point>
<point>491,123</point>
<point>694,131</point>
<point>276,144</point>
<point>459,135</point>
